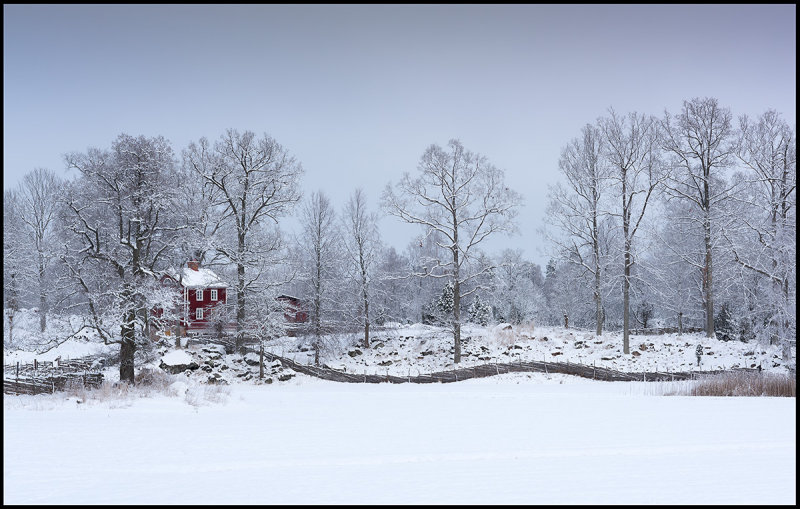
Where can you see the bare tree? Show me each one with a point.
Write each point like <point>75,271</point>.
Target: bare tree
<point>15,266</point>
<point>577,212</point>
<point>767,149</point>
<point>700,142</point>
<point>362,245</point>
<point>119,215</point>
<point>633,152</point>
<point>394,292</point>
<point>319,243</point>
<point>464,198</point>
<point>518,295</point>
<point>39,202</point>
<point>249,181</point>
<point>674,265</point>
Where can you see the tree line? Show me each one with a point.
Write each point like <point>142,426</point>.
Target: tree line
<point>690,217</point>
<point>658,219</point>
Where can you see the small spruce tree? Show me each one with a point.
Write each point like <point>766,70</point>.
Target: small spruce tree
<point>479,311</point>
<point>444,304</point>
<point>724,324</point>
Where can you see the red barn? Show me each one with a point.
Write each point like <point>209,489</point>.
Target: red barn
<point>294,313</point>
<point>202,300</point>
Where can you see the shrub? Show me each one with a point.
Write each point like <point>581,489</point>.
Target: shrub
<point>154,379</point>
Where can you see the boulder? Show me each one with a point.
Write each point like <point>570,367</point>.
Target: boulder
<point>178,361</point>
<point>353,353</point>
<point>213,351</point>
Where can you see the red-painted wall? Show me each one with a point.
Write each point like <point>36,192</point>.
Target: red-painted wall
<point>205,302</point>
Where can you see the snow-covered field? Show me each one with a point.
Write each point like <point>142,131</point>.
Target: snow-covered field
<point>526,438</point>
<point>517,438</point>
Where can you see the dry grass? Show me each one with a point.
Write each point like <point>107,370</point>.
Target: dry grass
<point>147,383</point>
<point>507,337</point>
<point>203,394</point>
<point>504,337</point>
<point>153,380</point>
<point>741,383</point>
<point>525,329</point>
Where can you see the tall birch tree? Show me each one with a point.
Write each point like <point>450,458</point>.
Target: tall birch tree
<point>319,245</point>
<point>361,241</point>
<point>252,183</point>
<point>39,199</point>
<point>632,149</point>
<point>464,198</point>
<point>767,149</point>
<point>576,212</point>
<point>700,143</point>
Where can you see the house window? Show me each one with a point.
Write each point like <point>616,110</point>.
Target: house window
<point>213,295</point>
<point>198,313</point>
<point>198,295</point>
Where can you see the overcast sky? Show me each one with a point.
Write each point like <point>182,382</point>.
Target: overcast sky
<point>357,93</point>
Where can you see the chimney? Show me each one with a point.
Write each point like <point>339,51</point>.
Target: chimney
<point>193,264</point>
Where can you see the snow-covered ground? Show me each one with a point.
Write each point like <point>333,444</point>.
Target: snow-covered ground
<point>411,349</point>
<point>516,438</point>
<point>404,350</point>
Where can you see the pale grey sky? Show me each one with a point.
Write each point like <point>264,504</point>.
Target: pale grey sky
<point>358,92</point>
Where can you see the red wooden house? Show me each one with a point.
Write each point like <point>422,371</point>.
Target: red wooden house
<point>202,301</point>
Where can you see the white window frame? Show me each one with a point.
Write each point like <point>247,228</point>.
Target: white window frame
<point>198,294</point>
<point>213,294</point>
<point>198,314</point>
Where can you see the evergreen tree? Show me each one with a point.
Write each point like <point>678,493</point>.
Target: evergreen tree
<point>479,311</point>
<point>725,324</point>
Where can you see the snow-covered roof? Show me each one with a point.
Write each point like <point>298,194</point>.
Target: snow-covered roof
<point>200,278</point>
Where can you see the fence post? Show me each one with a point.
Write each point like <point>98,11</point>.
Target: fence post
<point>261,362</point>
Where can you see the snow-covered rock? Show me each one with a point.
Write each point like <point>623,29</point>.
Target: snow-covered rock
<point>178,361</point>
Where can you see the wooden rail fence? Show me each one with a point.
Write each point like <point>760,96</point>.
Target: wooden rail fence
<point>491,369</point>
<point>45,378</point>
